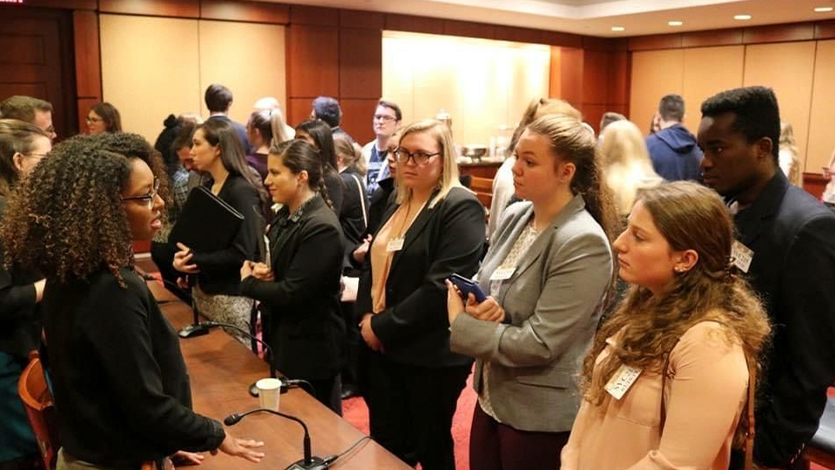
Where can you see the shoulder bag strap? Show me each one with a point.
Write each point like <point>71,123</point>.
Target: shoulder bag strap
<point>362,199</point>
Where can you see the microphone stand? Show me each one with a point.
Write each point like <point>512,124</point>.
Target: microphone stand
<point>286,383</point>
<point>309,462</point>
<point>196,328</point>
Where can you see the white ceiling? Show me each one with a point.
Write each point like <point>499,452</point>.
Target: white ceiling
<point>597,17</point>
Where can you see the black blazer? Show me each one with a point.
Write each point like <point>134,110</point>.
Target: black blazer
<point>302,322</point>
<point>792,236</point>
<point>220,270</point>
<point>120,383</point>
<point>335,188</point>
<point>445,239</point>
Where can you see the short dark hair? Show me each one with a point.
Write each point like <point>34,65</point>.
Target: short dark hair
<point>671,108</point>
<point>218,98</point>
<point>756,112</point>
<point>392,106</point>
<point>23,108</point>
<point>328,110</point>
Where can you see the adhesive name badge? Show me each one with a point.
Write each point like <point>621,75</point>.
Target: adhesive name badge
<point>502,274</point>
<point>395,245</point>
<point>742,256</point>
<point>622,381</point>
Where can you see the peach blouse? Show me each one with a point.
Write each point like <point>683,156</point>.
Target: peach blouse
<point>706,391</point>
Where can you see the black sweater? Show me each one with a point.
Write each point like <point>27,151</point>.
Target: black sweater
<point>20,316</point>
<point>120,383</point>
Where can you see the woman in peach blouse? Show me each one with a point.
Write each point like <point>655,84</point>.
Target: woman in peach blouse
<point>686,315</point>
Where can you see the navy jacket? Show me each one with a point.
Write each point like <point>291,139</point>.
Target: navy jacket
<point>674,154</point>
<point>792,236</point>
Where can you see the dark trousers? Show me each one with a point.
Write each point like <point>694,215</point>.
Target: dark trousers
<point>410,408</point>
<point>329,393</point>
<point>496,446</point>
<point>351,346</point>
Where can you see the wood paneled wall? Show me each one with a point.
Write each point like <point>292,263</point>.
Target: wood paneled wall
<point>796,60</point>
<point>339,52</point>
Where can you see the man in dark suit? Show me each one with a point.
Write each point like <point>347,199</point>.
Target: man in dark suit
<point>786,246</point>
<point>218,101</point>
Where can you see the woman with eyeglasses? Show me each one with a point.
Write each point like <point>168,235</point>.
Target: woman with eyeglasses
<point>103,117</point>
<point>217,153</point>
<point>119,380</point>
<point>409,377</point>
<point>22,147</point>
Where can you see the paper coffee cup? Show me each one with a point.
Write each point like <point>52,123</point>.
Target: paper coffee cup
<point>269,393</point>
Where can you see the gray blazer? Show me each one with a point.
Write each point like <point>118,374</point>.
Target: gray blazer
<point>554,302</point>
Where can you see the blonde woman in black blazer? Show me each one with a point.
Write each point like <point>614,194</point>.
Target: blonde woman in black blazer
<point>409,377</point>
<point>300,287</point>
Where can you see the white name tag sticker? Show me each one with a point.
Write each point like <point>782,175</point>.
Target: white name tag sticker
<point>395,245</point>
<point>742,256</point>
<point>622,381</point>
<point>502,274</point>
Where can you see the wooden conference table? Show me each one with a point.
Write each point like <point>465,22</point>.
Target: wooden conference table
<point>221,370</point>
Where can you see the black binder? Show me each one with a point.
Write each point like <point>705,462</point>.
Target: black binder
<point>206,223</point>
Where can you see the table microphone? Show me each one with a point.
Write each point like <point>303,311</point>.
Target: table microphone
<point>286,383</point>
<point>309,462</point>
<point>253,389</point>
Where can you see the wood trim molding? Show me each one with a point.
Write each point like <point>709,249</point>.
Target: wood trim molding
<point>316,16</point>
<point>555,38</point>
<point>63,4</point>
<point>825,29</point>
<point>779,33</point>
<point>469,29</point>
<point>414,24</point>
<point>719,37</point>
<point>167,8</point>
<point>252,12</point>
<point>658,41</point>
<point>361,19</point>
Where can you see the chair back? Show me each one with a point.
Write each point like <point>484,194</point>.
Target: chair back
<point>40,409</point>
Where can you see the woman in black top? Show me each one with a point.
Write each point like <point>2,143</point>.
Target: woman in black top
<point>318,134</point>
<point>354,216</point>
<point>119,380</point>
<point>218,154</point>
<point>300,287</point>
<point>22,146</point>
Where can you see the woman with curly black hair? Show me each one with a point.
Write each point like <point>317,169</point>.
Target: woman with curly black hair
<point>119,380</point>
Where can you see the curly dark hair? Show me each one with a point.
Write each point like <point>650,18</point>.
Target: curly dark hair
<point>66,219</point>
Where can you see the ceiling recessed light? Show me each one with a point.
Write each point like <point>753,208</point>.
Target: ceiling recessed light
<point>618,28</point>
<point>675,23</point>
<point>742,17</point>
<point>823,9</point>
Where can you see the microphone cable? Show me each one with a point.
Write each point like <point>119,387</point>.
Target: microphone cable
<point>333,458</point>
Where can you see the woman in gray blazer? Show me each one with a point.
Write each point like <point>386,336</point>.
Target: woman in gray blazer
<point>547,274</point>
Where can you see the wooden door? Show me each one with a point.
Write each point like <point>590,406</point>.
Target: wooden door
<point>36,59</point>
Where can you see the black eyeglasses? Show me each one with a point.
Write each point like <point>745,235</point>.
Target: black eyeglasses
<point>420,157</point>
<point>384,117</point>
<point>149,198</point>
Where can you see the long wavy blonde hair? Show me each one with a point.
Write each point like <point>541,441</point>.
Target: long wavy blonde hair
<point>648,326</point>
<point>627,168</point>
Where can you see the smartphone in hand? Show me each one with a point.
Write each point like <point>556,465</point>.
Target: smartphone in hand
<point>467,286</point>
